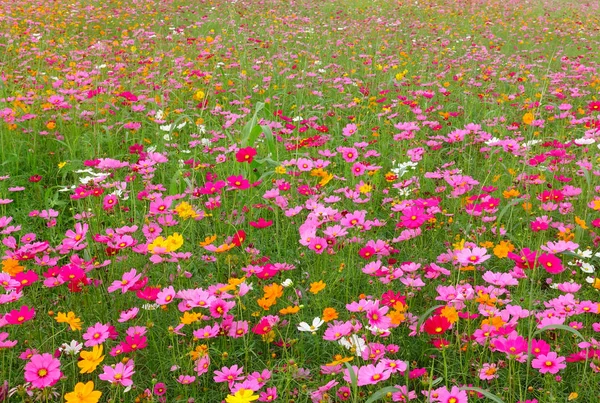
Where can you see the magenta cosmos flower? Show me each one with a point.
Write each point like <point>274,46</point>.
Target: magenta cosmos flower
<point>42,370</point>
<point>455,395</point>
<point>549,363</point>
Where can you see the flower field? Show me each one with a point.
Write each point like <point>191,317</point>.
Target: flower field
<point>299,201</point>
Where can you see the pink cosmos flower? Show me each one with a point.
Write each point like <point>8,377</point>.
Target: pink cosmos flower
<point>549,363</point>
<point>269,396</point>
<point>42,370</point>
<point>165,296</point>
<point>202,365</point>
<point>109,202</point>
<point>349,154</point>
<point>473,256</point>
<point>121,373</point>
<point>229,375</point>
<point>349,130</point>
<point>513,346</point>
<point>455,395</point>
<point>5,343</point>
<point>371,374</point>
<point>96,334</point>
<point>488,372</point>
<point>186,379</point>
<point>128,280</point>
<point>128,314</point>
<point>413,217</point>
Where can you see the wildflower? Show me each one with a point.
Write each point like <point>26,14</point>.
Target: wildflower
<point>72,348</point>
<point>242,396</point>
<point>329,314</point>
<point>290,310</point>
<point>42,370</point>
<point>472,256</point>
<point>12,267</point>
<point>316,324</point>
<point>90,359</point>
<point>96,334</point>
<point>70,318</point>
<point>5,343</point>
<point>436,325</point>
<point>317,287</point>
<point>549,363</point>
<point>120,374</point>
<point>83,393</point>
<point>20,316</point>
<point>488,372</point>
<point>229,375</point>
<point>160,389</point>
<point>455,395</point>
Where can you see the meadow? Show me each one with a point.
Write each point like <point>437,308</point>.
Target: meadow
<point>299,201</point>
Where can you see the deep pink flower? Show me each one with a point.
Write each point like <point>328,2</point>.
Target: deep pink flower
<point>261,223</point>
<point>551,263</point>
<point>549,363</point>
<point>160,389</point>
<point>42,370</point>
<point>19,316</point>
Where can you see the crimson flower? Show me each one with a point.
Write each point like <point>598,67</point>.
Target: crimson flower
<point>436,324</point>
<point>245,154</point>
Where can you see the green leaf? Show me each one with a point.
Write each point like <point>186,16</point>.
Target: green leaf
<point>254,133</point>
<point>247,131</point>
<point>382,393</point>
<point>487,394</point>
<point>270,140</point>
<point>174,183</point>
<point>353,376</point>
<point>510,205</point>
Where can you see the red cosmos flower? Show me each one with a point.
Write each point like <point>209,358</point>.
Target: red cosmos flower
<point>594,106</point>
<point>245,154</point>
<point>17,317</point>
<point>35,178</point>
<point>436,324</point>
<point>239,238</point>
<point>261,223</point>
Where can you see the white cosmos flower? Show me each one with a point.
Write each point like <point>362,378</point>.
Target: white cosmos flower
<point>316,324</point>
<point>72,348</point>
<point>586,254</point>
<point>354,342</point>
<point>584,141</point>
<point>287,283</point>
<point>587,268</point>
